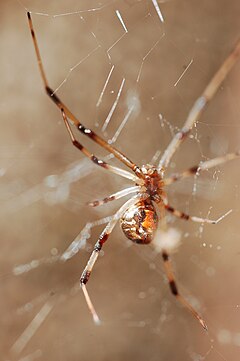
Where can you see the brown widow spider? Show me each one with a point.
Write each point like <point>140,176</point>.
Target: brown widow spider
<point>138,216</point>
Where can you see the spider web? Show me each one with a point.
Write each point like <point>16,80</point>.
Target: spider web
<point>131,71</point>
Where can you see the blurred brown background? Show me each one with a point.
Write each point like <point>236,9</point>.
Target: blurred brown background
<point>41,215</point>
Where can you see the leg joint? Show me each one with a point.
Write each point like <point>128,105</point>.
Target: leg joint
<point>85,277</point>
<point>165,256</point>
<point>173,287</point>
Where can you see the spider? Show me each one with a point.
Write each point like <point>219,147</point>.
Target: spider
<point>138,216</point>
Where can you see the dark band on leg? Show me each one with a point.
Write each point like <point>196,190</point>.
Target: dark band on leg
<point>85,277</point>
<point>165,256</point>
<point>173,287</point>
<point>53,96</point>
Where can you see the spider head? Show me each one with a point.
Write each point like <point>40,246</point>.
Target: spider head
<point>149,171</point>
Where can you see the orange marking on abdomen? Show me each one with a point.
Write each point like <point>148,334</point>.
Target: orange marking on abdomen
<point>149,221</point>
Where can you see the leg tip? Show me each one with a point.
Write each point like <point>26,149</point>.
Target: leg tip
<point>97,320</point>
<point>204,325</point>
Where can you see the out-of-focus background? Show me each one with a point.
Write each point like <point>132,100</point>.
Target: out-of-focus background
<point>97,54</point>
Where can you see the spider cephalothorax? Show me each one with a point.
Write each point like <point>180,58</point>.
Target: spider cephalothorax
<point>152,181</point>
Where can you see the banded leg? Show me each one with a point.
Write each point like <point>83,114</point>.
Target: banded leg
<point>174,289</point>
<point>113,197</point>
<point>80,241</point>
<point>70,115</point>
<point>97,248</point>
<point>94,159</point>
<point>202,166</point>
<point>187,217</point>
<point>199,105</point>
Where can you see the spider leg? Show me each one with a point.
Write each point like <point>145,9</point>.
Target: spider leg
<point>202,166</point>
<point>80,240</point>
<point>97,248</point>
<point>93,158</point>
<point>86,131</point>
<point>174,289</point>
<point>199,105</point>
<point>113,197</point>
<point>187,217</point>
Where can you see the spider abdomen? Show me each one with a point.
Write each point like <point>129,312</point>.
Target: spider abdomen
<point>139,222</point>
